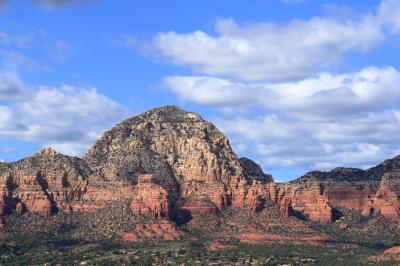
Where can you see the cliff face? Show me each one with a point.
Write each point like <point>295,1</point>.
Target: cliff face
<point>150,200</point>
<point>187,157</point>
<point>253,171</point>
<point>43,183</point>
<point>376,190</point>
<point>178,144</point>
<point>172,165</point>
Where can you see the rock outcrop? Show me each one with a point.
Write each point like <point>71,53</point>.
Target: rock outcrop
<point>43,183</point>
<point>149,199</point>
<point>192,164</point>
<point>253,171</point>
<point>305,201</point>
<point>173,165</point>
<point>154,231</point>
<point>169,141</point>
<point>376,190</point>
<point>391,255</point>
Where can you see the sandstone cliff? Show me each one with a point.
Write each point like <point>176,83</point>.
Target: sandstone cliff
<point>376,190</point>
<point>172,165</point>
<point>43,183</point>
<point>253,171</point>
<point>187,157</point>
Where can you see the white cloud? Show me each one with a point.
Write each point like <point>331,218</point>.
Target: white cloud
<point>389,14</point>
<point>267,51</point>
<point>211,91</point>
<point>67,118</point>
<point>276,92</point>
<point>369,90</point>
<point>277,52</point>
<point>331,120</point>
<point>281,143</point>
<point>10,86</point>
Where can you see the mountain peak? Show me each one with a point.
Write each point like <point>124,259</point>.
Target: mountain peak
<point>169,113</point>
<point>254,171</point>
<point>165,140</point>
<point>47,151</point>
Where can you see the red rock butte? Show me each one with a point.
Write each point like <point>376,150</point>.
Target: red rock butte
<point>173,166</point>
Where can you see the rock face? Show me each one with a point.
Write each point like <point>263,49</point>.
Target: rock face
<point>169,141</point>
<point>376,190</point>
<point>43,183</point>
<point>253,171</point>
<point>150,200</point>
<point>194,170</point>
<point>144,232</point>
<point>391,254</point>
<point>305,201</point>
<point>173,165</point>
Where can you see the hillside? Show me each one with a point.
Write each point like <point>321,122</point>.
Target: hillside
<point>169,180</point>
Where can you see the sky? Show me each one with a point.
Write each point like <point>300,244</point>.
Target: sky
<point>296,85</point>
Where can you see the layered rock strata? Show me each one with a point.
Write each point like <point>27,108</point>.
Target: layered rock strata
<point>173,165</point>
<point>376,190</point>
<point>43,183</point>
<point>192,165</point>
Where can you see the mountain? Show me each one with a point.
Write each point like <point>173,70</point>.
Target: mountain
<point>168,174</point>
<point>253,171</point>
<point>375,190</point>
<point>43,183</point>
<point>174,165</point>
<point>186,160</point>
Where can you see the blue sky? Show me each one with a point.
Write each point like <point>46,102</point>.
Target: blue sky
<point>296,85</point>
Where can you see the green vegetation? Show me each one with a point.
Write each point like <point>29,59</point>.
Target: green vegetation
<point>86,240</point>
<point>176,253</point>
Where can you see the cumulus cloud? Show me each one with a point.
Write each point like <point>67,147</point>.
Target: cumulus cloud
<point>10,86</point>
<point>281,142</point>
<point>368,90</point>
<point>297,113</point>
<point>350,119</point>
<point>389,14</point>
<point>67,118</point>
<point>274,52</point>
<point>212,91</point>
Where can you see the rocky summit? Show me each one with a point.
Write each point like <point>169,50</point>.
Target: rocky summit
<point>169,175</point>
<point>181,166</point>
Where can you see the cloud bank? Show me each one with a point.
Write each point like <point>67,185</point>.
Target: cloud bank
<point>287,103</point>
<point>307,123</point>
<point>274,52</point>
<point>68,118</point>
